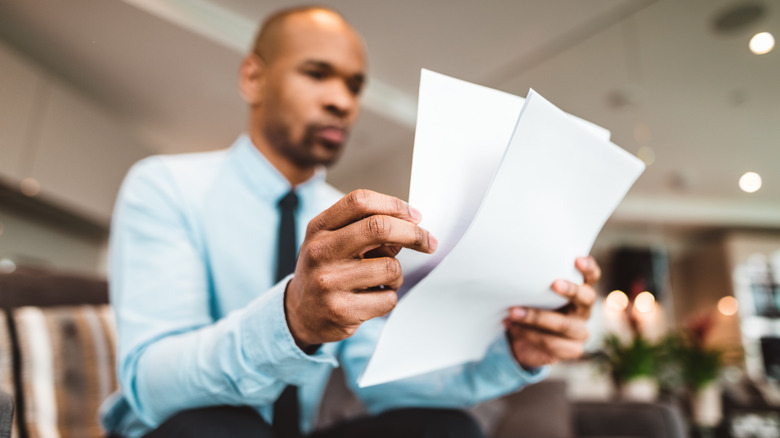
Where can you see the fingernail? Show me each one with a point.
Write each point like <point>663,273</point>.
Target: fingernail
<point>584,262</point>
<point>432,242</point>
<point>518,312</point>
<point>561,286</point>
<point>415,214</point>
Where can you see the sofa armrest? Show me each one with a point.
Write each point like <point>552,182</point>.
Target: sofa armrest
<point>6,414</point>
<point>621,419</point>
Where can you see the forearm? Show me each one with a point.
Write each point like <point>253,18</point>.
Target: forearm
<point>194,369</point>
<point>457,387</point>
<point>245,358</point>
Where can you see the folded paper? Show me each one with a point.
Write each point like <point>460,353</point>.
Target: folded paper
<point>514,190</point>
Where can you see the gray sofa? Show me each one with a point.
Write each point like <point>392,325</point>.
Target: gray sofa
<point>77,321</point>
<point>542,410</point>
<point>6,414</point>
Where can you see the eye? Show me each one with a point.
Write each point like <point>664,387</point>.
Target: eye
<point>355,86</point>
<point>316,74</point>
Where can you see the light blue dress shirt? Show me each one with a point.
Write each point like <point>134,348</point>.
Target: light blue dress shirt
<point>200,320</point>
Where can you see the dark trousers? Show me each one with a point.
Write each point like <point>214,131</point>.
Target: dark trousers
<point>240,422</point>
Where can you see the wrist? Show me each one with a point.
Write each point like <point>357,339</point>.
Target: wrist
<point>297,329</point>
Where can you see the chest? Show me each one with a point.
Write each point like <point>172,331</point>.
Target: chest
<point>239,238</point>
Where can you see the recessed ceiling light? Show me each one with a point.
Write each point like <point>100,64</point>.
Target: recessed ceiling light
<point>762,43</point>
<point>30,187</point>
<point>646,154</point>
<point>750,182</point>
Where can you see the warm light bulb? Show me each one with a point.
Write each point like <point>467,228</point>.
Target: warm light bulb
<point>750,182</point>
<point>762,43</point>
<point>644,302</point>
<point>617,300</point>
<point>728,306</point>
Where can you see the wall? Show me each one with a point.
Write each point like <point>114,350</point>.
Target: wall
<point>68,154</point>
<point>34,241</point>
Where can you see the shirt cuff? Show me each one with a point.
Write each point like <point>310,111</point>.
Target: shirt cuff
<point>268,344</point>
<point>505,366</point>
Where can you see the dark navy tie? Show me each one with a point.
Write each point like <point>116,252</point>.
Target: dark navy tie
<point>286,415</point>
<point>287,248</point>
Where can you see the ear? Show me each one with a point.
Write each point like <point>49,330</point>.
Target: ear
<point>251,79</point>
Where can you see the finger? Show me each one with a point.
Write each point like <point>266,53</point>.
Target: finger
<point>552,345</point>
<point>356,308</point>
<point>372,274</point>
<point>591,271</point>
<point>581,295</point>
<point>360,275</point>
<point>360,204</point>
<point>567,326</point>
<point>365,235</point>
<point>382,251</point>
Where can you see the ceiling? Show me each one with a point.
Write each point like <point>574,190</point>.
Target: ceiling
<point>654,72</point>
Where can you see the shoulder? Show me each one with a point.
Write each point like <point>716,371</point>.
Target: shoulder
<point>166,188</point>
<point>179,166</point>
<point>175,172</point>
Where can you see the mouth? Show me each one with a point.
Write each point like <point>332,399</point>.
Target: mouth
<point>332,136</point>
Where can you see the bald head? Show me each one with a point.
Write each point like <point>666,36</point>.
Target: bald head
<point>303,82</point>
<point>274,34</point>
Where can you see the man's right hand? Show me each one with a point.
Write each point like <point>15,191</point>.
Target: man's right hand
<point>346,272</point>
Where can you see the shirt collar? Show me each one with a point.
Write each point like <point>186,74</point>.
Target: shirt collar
<point>263,178</point>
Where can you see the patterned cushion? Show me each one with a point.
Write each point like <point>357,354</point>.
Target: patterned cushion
<point>6,363</point>
<point>67,367</point>
<point>6,357</point>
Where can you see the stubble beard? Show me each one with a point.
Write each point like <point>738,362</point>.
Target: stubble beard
<point>303,153</point>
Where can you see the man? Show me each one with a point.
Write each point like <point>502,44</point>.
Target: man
<point>216,340</point>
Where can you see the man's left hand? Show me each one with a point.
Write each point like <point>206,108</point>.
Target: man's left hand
<point>542,337</point>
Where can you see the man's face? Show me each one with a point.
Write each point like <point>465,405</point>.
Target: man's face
<point>312,85</point>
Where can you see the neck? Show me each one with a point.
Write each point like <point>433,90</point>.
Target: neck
<point>294,173</point>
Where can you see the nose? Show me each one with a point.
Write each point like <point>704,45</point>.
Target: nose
<point>339,100</point>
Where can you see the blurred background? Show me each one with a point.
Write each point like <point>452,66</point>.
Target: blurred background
<point>87,87</point>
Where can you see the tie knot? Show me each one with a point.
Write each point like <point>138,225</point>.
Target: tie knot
<point>289,202</point>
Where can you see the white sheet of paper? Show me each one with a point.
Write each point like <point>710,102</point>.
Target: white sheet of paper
<point>535,205</point>
<point>463,130</point>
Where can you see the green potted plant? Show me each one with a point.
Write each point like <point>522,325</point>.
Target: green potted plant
<point>633,366</point>
<point>698,366</point>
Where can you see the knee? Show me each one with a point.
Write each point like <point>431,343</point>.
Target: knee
<point>449,423</point>
<point>217,421</point>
